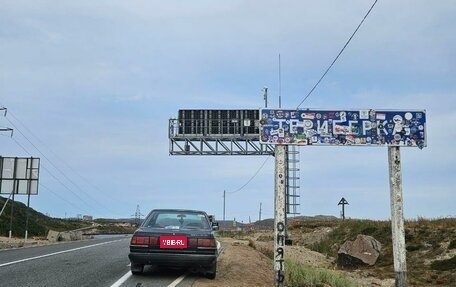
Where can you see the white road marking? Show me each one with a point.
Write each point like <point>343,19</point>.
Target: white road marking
<point>127,275</point>
<point>178,280</point>
<point>56,253</point>
<point>122,280</point>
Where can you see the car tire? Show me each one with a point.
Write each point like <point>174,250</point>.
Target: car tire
<point>136,268</point>
<point>212,271</point>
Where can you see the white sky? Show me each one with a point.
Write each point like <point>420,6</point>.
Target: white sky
<point>95,82</point>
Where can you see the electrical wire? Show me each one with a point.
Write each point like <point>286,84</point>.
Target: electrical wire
<point>56,178</point>
<point>256,173</point>
<point>62,198</point>
<point>49,172</point>
<point>338,55</point>
<point>53,165</point>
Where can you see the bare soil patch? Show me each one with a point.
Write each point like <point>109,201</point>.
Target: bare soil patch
<point>240,265</point>
<point>8,243</point>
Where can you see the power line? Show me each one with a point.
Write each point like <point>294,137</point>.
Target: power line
<point>47,188</point>
<point>62,198</point>
<point>51,163</point>
<point>337,57</point>
<point>55,177</point>
<point>256,173</point>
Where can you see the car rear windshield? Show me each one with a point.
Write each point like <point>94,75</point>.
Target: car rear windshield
<point>177,220</point>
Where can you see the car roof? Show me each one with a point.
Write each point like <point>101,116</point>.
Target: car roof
<point>178,210</point>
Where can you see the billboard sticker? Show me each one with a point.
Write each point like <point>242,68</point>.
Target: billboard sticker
<point>355,127</point>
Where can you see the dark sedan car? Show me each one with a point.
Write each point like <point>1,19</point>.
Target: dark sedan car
<point>175,238</point>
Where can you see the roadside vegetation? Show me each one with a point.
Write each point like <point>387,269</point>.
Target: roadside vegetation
<point>430,244</point>
<point>39,224</point>
<point>299,275</point>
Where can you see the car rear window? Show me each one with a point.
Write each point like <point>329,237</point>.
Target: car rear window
<point>177,220</point>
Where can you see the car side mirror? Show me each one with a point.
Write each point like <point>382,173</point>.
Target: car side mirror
<point>215,226</point>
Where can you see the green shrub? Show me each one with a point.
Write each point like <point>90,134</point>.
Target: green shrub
<point>298,275</point>
<point>444,265</point>
<point>412,247</point>
<point>452,244</point>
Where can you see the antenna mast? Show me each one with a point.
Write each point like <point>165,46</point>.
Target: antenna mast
<point>280,85</point>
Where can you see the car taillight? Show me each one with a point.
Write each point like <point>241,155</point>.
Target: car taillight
<point>192,242</point>
<point>144,240</point>
<point>206,243</point>
<point>140,240</point>
<point>153,241</point>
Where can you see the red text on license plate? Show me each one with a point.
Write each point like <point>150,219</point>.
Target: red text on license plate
<point>173,242</point>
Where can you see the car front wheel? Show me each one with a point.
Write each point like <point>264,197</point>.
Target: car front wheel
<point>137,268</point>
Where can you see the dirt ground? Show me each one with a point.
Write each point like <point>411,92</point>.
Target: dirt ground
<point>242,265</point>
<point>6,243</point>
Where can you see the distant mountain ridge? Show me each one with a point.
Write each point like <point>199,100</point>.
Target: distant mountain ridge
<point>39,224</point>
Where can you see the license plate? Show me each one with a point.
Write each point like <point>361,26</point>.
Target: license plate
<point>173,242</point>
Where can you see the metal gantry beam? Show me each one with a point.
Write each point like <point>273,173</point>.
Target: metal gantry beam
<point>224,144</point>
<point>206,146</point>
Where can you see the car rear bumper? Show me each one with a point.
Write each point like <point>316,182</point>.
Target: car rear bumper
<point>172,259</point>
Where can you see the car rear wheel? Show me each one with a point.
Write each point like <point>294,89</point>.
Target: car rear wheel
<point>137,268</point>
<point>212,271</point>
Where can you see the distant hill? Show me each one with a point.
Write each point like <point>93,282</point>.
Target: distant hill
<point>269,222</point>
<point>39,224</point>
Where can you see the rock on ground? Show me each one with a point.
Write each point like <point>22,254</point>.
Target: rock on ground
<point>364,250</point>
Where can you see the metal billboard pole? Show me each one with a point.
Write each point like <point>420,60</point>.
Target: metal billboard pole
<point>12,202</point>
<point>279,215</point>
<point>397,216</point>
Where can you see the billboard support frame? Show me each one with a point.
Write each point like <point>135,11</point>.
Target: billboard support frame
<point>20,175</point>
<point>405,129</point>
<point>397,216</point>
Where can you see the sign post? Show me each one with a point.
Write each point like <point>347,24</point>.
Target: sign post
<point>397,216</point>
<point>279,215</point>
<point>19,176</point>
<point>364,127</point>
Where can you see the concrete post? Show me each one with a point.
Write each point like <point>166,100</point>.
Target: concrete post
<point>397,216</point>
<point>279,216</point>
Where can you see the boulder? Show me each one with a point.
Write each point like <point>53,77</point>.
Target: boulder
<point>364,250</point>
<point>71,235</point>
<point>54,236</point>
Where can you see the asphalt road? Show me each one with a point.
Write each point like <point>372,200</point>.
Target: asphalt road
<point>98,262</point>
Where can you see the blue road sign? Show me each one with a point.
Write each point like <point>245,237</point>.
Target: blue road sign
<point>365,127</point>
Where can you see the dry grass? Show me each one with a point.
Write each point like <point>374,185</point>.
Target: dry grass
<point>430,245</point>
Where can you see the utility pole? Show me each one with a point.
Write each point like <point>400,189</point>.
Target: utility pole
<point>265,96</point>
<point>1,170</point>
<point>259,217</point>
<point>10,234</point>
<point>5,129</point>
<point>224,198</point>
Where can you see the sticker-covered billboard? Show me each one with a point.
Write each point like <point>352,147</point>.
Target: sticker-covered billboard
<point>364,127</point>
